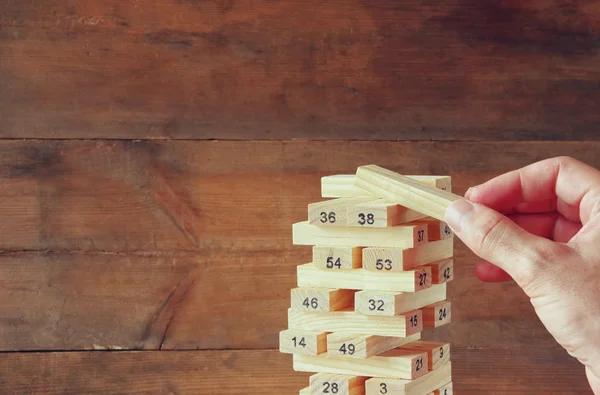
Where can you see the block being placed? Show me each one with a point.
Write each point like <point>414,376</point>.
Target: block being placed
<point>342,185</point>
<point>321,299</point>
<point>349,321</point>
<point>397,363</point>
<point>360,279</point>
<point>394,303</point>
<point>437,314</point>
<point>405,191</point>
<point>389,259</point>
<point>302,342</point>
<point>340,384</point>
<point>332,257</point>
<point>403,236</point>
<point>364,346</point>
<point>425,384</point>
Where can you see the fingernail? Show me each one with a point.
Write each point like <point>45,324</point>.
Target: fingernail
<point>458,214</point>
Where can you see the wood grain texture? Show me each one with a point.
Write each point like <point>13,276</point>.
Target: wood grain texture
<point>523,372</point>
<point>81,220</point>
<point>238,69</point>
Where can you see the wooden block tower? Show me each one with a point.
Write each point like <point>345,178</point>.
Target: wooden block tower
<point>382,259</point>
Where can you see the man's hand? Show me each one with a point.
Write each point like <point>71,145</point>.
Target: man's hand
<point>540,226</point>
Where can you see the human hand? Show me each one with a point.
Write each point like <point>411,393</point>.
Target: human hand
<point>540,226</point>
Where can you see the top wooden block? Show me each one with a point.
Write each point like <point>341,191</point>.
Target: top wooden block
<point>404,191</point>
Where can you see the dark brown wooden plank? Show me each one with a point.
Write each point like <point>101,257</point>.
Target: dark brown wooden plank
<point>494,371</point>
<point>418,70</point>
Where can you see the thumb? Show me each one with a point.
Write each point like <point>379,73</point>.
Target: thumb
<point>497,239</point>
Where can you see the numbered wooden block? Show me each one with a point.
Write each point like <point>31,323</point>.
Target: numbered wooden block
<point>404,364</point>
<point>438,230</point>
<point>321,299</point>
<point>340,384</point>
<point>364,346</point>
<point>302,342</point>
<point>437,352</point>
<point>359,279</point>
<point>403,236</point>
<point>337,258</point>
<point>405,191</point>
<point>349,321</point>
<point>445,390</point>
<point>380,214</point>
<point>342,185</point>
<point>388,259</point>
<point>333,212</point>
<point>437,314</point>
<point>442,271</point>
<point>427,383</point>
<point>395,303</point>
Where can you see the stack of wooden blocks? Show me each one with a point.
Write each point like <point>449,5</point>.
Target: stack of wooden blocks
<point>382,258</point>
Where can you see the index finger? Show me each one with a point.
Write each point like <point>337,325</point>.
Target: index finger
<point>573,184</point>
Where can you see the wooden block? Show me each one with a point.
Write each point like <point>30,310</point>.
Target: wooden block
<point>359,279</point>
<point>394,303</point>
<point>438,352</point>
<point>437,314</point>
<point>321,299</point>
<point>380,214</point>
<point>404,364</point>
<point>331,257</point>
<point>342,185</point>
<point>340,384</point>
<point>403,236</point>
<point>437,230</point>
<point>349,321</point>
<point>333,212</point>
<point>293,341</point>
<point>364,346</point>
<point>389,259</point>
<point>305,391</point>
<point>445,390</point>
<point>442,271</point>
<point>431,381</point>
<point>405,191</point>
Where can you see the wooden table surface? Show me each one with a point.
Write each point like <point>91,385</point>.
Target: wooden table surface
<point>155,154</point>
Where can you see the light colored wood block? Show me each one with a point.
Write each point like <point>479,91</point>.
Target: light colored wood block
<point>438,230</point>
<point>339,384</point>
<point>321,299</point>
<point>427,383</point>
<point>332,257</point>
<point>405,191</point>
<point>292,341</point>
<point>445,390</point>
<point>394,303</point>
<point>305,391</point>
<point>438,352</point>
<point>437,314</point>
<point>349,321</point>
<point>389,259</point>
<point>380,214</point>
<point>403,236</point>
<point>404,364</point>
<point>342,185</point>
<point>364,346</point>
<point>442,271</point>
<point>360,279</point>
<point>333,212</point>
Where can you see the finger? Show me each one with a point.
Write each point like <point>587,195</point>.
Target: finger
<point>496,239</point>
<point>551,226</point>
<point>491,273</point>
<point>565,178</point>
